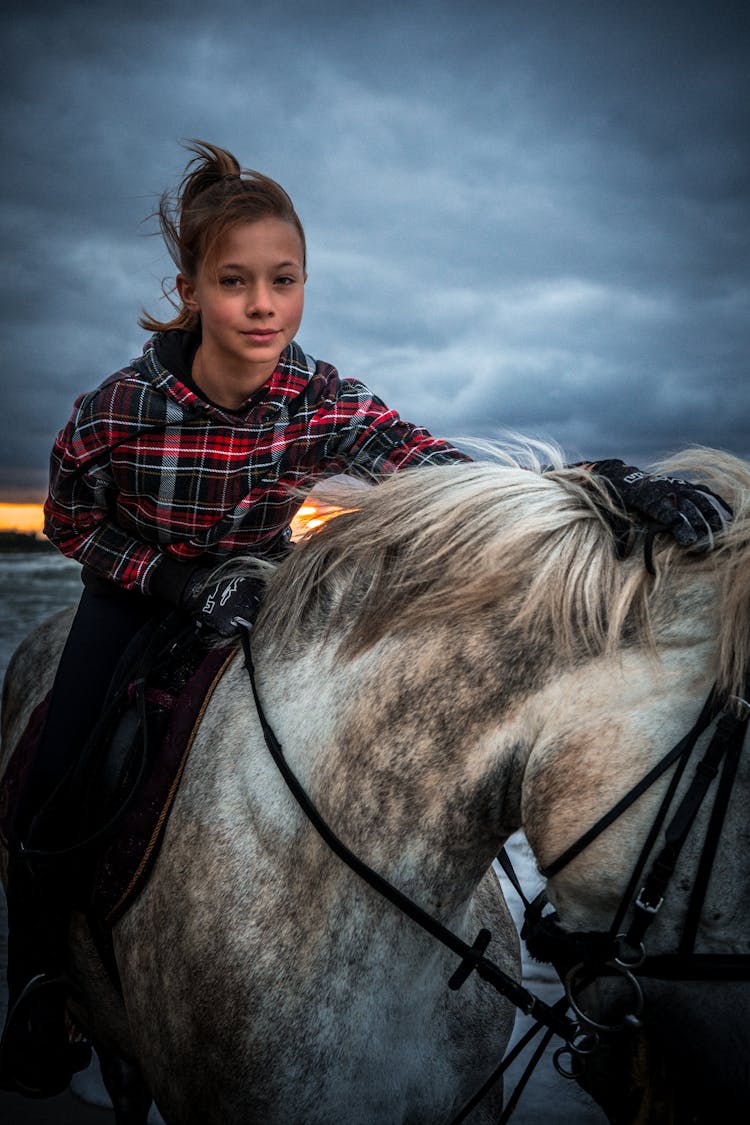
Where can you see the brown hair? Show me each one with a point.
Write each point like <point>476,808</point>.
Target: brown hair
<point>215,194</point>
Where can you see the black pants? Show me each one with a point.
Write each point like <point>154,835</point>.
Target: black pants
<point>106,620</point>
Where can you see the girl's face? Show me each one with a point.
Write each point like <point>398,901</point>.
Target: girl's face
<point>250,304</point>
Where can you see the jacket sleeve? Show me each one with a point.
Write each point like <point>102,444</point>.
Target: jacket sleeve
<point>77,511</point>
<point>371,439</point>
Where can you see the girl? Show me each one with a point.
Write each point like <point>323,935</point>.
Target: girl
<point>177,462</point>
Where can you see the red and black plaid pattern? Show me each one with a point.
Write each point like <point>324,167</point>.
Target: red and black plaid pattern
<point>147,468</point>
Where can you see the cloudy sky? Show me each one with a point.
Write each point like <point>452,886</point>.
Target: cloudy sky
<point>520,214</point>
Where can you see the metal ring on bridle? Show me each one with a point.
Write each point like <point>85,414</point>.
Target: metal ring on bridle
<point>574,1066</point>
<point>584,1043</point>
<point>575,1050</point>
<point>634,962</point>
<point>571,982</point>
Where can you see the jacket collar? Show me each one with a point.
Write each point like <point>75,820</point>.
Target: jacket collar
<point>167,359</point>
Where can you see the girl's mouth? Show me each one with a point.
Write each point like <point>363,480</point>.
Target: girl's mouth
<point>260,335</point>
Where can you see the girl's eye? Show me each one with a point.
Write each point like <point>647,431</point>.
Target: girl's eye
<point>285,281</point>
<point>230,282</point>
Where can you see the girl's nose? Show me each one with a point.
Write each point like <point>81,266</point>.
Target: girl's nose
<point>259,300</point>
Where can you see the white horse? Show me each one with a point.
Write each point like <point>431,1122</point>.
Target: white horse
<point>457,655</point>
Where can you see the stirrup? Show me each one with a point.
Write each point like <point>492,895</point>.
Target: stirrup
<point>69,1056</point>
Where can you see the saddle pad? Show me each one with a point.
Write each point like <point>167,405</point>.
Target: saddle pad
<point>125,861</point>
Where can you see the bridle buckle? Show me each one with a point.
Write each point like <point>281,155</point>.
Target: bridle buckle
<point>647,907</point>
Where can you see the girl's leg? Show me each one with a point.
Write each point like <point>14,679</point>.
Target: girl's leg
<point>35,1055</point>
<point>106,620</point>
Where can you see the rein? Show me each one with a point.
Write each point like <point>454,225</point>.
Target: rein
<point>552,1017</point>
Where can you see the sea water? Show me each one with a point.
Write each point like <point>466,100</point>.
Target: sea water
<point>32,586</point>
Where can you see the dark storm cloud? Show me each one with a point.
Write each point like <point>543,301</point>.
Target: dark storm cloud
<point>522,215</point>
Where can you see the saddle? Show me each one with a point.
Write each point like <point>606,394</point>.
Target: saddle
<point>120,792</point>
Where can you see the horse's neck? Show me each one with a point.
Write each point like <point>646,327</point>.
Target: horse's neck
<point>402,752</point>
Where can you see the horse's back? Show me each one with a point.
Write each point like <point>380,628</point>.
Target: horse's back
<point>29,677</point>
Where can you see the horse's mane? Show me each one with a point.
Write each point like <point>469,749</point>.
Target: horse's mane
<point>451,541</point>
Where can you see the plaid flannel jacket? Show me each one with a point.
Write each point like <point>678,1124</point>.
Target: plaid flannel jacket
<point>147,470</point>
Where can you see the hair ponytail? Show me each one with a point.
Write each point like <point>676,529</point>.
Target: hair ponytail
<point>209,166</point>
<point>214,195</point>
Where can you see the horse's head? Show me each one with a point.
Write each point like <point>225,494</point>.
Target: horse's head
<point>611,723</point>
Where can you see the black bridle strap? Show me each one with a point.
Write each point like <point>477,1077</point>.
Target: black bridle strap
<point>472,958</point>
<point>505,862</point>
<point>523,1081</point>
<point>683,747</point>
<point>728,731</point>
<point>648,846</point>
<point>500,1070</point>
<point>713,834</point>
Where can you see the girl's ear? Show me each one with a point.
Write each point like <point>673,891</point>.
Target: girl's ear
<point>186,289</point>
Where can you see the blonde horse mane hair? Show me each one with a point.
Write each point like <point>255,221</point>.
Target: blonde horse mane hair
<point>453,541</point>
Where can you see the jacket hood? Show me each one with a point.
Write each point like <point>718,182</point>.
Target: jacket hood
<point>167,361</point>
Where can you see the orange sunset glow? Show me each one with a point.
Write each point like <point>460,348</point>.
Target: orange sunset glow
<point>29,517</point>
<point>311,516</point>
<point>21,517</point>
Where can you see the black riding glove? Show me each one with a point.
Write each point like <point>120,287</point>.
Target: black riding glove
<point>691,513</point>
<point>216,600</point>
<point>223,603</point>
